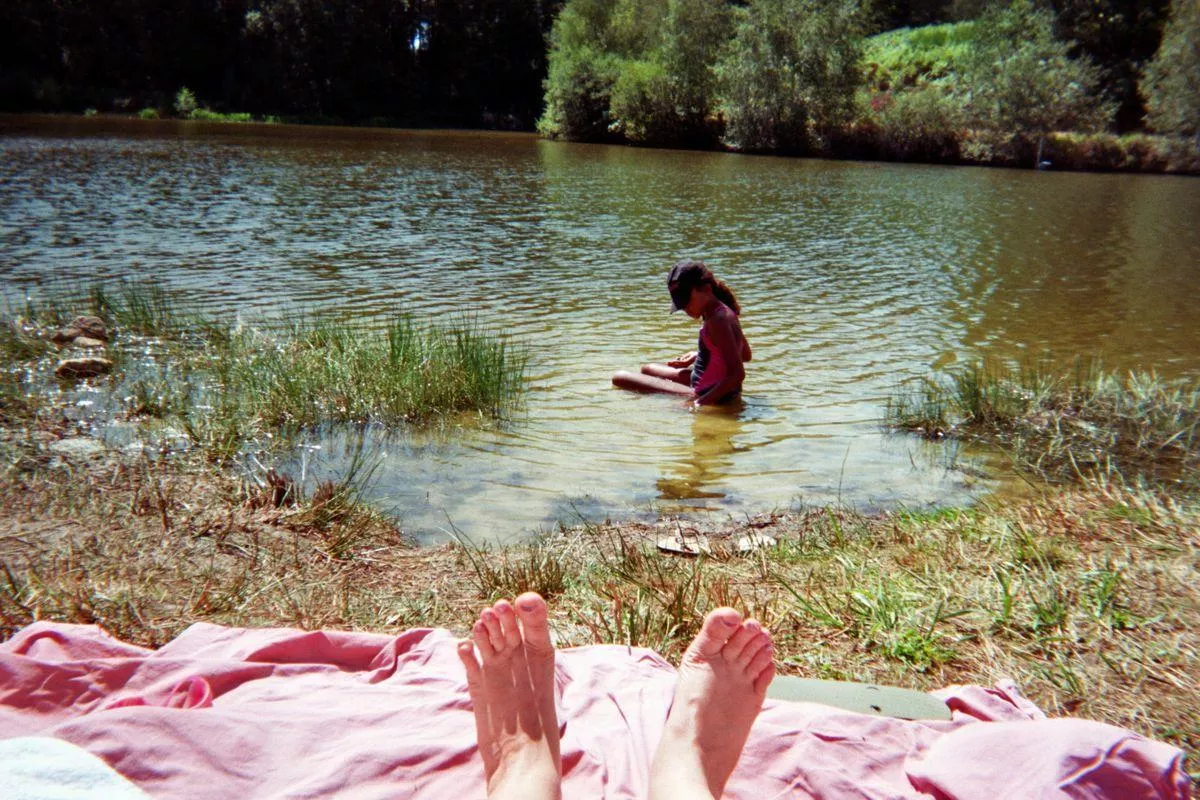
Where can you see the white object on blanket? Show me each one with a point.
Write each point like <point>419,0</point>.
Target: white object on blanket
<point>43,768</point>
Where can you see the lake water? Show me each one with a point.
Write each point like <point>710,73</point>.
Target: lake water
<point>853,277</point>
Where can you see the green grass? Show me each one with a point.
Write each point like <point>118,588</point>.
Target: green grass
<point>1068,425</point>
<point>208,115</point>
<point>228,386</point>
<point>332,371</point>
<point>912,57</point>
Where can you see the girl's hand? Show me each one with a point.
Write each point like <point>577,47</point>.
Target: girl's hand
<point>685,360</point>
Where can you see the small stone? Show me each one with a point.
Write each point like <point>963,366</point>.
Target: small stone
<point>87,341</point>
<point>91,327</point>
<point>83,367</point>
<point>66,335</point>
<point>77,446</point>
<point>754,541</point>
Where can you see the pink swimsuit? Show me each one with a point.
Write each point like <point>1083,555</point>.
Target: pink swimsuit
<point>710,367</point>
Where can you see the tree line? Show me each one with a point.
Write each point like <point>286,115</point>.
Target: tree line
<point>808,76</point>
<point>777,75</point>
<point>430,62</point>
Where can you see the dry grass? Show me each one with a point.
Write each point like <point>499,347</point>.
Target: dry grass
<point>1087,597</point>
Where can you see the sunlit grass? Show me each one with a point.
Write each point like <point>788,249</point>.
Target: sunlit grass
<point>228,386</point>
<point>1065,425</point>
<point>333,371</point>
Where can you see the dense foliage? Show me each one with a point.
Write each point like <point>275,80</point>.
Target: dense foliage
<point>975,80</point>
<point>981,82</point>
<point>457,62</point>
<point>1172,79</point>
<point>790,73</point>
<point>1019,77</point>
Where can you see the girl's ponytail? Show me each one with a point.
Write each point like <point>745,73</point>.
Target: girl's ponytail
<point>725,295</point>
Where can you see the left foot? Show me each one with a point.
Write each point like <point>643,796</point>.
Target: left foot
<point>512,690</point>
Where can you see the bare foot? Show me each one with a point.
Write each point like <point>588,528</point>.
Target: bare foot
<point>722,681</point>
<point>512,690</point>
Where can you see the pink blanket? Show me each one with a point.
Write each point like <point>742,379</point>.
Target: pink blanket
<point>227,712</point>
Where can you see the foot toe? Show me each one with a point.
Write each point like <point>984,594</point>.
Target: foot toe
<point>718,627</point>
<point>756,645</point>
<point>535,626</point>
<point>737,643</point>
<point>483,641</point>
<point>509,630</point>
<point>495,633</point>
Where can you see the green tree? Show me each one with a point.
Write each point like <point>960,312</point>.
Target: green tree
<point>790,73</point>
<point>1171,82</point>
<point>1021,79</point>
<point>666,96</point>
<point>1118,36</point>
<point>582,71</point>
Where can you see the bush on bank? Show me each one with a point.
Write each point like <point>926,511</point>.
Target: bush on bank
<point>798,76</point>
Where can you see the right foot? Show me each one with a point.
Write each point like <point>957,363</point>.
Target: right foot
<point>512,690</point>
<point>722,682</point>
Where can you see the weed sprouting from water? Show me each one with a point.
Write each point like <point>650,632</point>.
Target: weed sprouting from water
<point>227,386</point>
<point>1080,424</point>
<point>332,371</point>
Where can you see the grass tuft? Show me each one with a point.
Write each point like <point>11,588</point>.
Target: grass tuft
<point>1068,427</point>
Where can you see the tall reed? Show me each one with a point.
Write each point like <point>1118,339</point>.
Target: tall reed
<point>1067,424</point>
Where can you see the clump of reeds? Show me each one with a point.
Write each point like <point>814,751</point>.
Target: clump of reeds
<point>1066,426</point>
<point>227,386</point>
<point>336,371</point>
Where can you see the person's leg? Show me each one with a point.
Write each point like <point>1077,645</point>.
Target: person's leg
<point>722,682</point>
<point>512,690</point>
<point>648,383</point>
<point>676,374</point>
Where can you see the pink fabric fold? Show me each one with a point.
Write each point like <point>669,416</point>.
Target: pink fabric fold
<point>228,712</point>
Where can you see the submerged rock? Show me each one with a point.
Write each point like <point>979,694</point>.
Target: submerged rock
<point>87,327</point>
<point>87,341</point>
<point>77,446</point>
<point>83,367</point>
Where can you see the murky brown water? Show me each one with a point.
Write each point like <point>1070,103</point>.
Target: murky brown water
<point>853,277</point>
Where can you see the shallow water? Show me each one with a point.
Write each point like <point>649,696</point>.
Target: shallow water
<point>853,277</point>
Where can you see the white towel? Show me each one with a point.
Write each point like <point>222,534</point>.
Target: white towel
<point>42,768</point>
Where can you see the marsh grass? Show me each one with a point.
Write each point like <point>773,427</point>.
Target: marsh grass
<point>333,371</point>
<point>1066,426</point>
<point>229,386</point>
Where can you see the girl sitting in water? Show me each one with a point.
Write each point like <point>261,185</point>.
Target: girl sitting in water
<point>714,373</point>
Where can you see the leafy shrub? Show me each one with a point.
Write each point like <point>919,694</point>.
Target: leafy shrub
<point>148,113</point>
<point>1020,79</point>
<point>1170,81</point>
<point>578,92</point>
<point>640,103</point>
<point>638,69</point>
<point>917,124</point>
<point>208,115</point>
<point>790,72</point>
<point>185,102</point>
<point>913,57</point>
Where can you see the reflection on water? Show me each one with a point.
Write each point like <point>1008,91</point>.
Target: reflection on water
<point>853,278</point>
<point>700,471</point>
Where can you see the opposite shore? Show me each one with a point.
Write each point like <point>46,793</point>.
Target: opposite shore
<point>1092,152</point>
